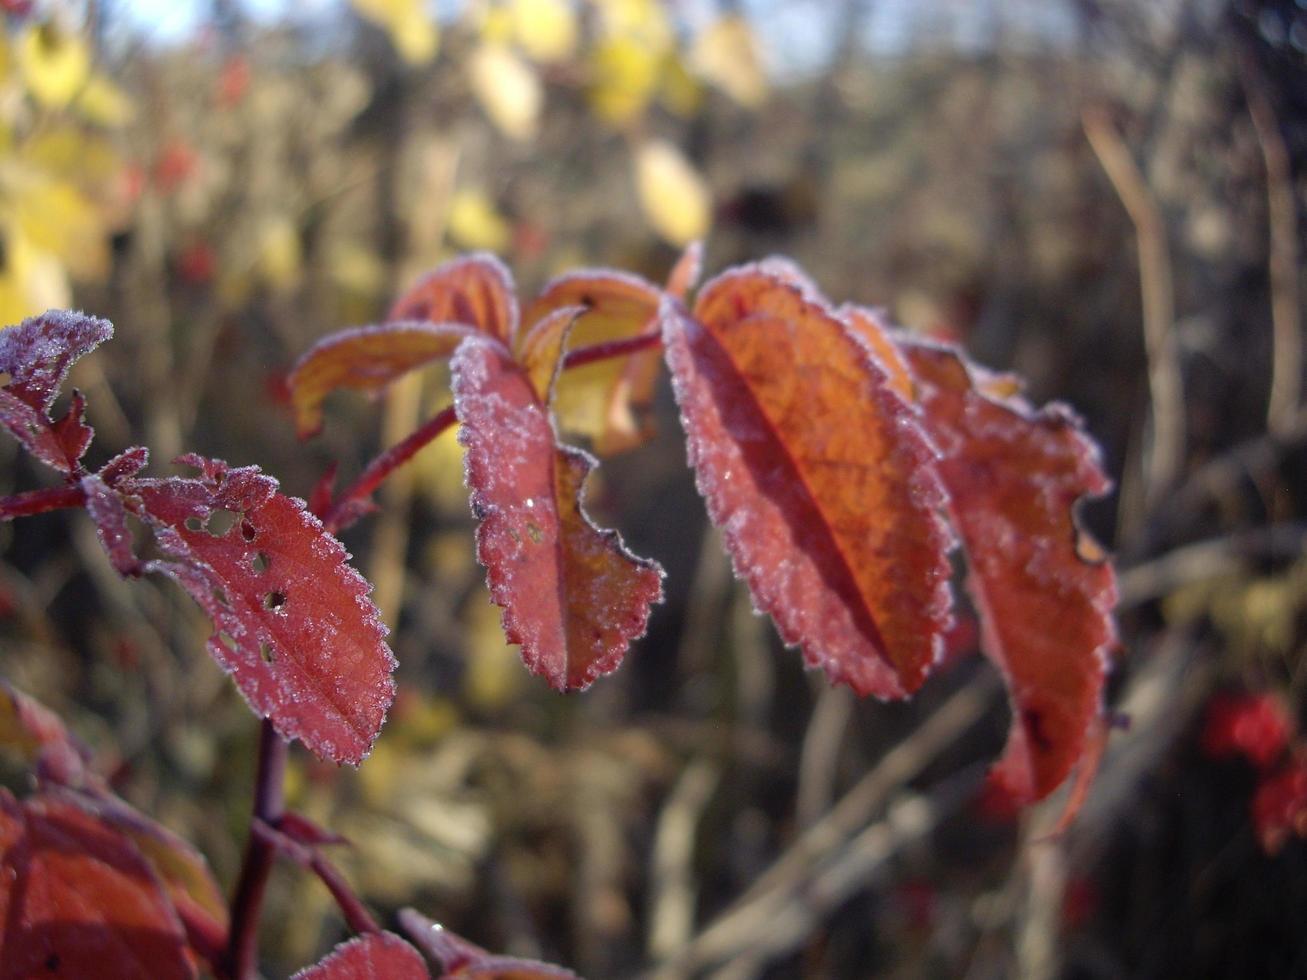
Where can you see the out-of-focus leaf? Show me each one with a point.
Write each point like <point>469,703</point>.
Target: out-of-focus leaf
<point>31,279</point>
<point>38,736</point>
<point>412,31</point>
<point>508,89</point>
<point>293,623</point>
<point>673,195</point>
<point>36,355</point>
<point>726,54</point>
<point>1015,476</point>
<point>476,290</point>
<point>545,30</point>
<point>56,217</point>
<point>104,103</point>
<point>607,401</point>
<point>819,477</point>
<point>623,78</point>
<point>279,258</point>
<point>77,899</point>
<point>375,956</point>
<point>365,359</point>
<point>679,91</point>
<point>54,63</point>
<point>460,958</point>
<point>475,223</point>
<point>572,595</point>
<point>685,274</point>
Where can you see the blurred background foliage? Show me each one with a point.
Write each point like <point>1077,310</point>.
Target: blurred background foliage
<point>1104,195</point>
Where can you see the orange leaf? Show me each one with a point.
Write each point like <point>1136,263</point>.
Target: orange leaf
<point>476,290</point>
<point>541,350</point>
<point>365,359</point>
<point>572,595</point>
<point>607,401</point>
<point>78,900</point>
<point>1015,476</point>
<point>374,956</point>
<point>868,325</point>
<point>818,475</point>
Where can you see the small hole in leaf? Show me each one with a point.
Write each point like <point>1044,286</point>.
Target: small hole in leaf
<point>274,600</point>
<point>534,532</point>
<point>221,598</point>
<point>229,641</point>
<point>260,562</point>
<point>220,522</point>
<point>248,531</point>
<point>266,652</point>
<point>32,430</point>
<point>194,524</point>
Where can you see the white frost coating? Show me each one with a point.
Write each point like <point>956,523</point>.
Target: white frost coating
<point>497,268</point>
<point>37,353</point>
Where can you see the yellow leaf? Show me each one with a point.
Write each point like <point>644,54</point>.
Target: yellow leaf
<point>56,218</point>
<point>31,280</point>
<point>726,54</point>
<point>544,29</point>
<point>438,469</point>
<point>278,254</point>
<point>623,78</point>
<point>644,21</point>
<point>70,153</point>
<point>475,224</point>
<point>673,195</point>
<point>55,65</point>
<point>355,268</point>
<point>494,670</point>
<point>104,103</point>
<point>680,91</point>
<point>507,88</point>
<point>412,31</point>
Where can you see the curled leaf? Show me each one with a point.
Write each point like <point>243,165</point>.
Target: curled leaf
<point>819,477</point>
<point>374,956</point>
<point>1014,477</point>
<point>77,899</point>
<point>36,356</point>
<point>572,595</point>
<point>365,359</point>
<point>474,290</point>
<point>607,401</point>
<point>293,623</point>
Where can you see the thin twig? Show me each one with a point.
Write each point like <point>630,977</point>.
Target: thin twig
<point>1282,216</point>
<point>672,904</point>
<point>1165,384</point>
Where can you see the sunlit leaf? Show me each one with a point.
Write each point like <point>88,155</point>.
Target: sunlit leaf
<point>31,279</point>
<point>468,961</point>
<point>476,290</point>
<point>365,359</point>
<point>508,88</point>
<point>375,956</point>
<point>54,63</point>
<point>411,29</point>
<point>475,223</point>
<point>545,30</point>
<point>870,327</point>
<point>104,103</point>
<point>624,76</point>
<point>77,899</point>
<point>36,356</point>
<point>818,476</point>
<point>673,195</point>
<point>293,623</point>
<point>607,401</point>
<point>1015,476</point>
<point>726,54</point>
<point>541,350</point>
<point>573,596</point>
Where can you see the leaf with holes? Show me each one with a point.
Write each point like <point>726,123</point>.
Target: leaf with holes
<point>475,290</point>
<point>607,401</point>
<point>818,475</point>
<point>572,595</point>
<point>460,958</point>
<point>293,623</point>
<point>364,359</point>
<point>77,899</point>
<point>36,356</point>
<point>1044,589</point>
<point>375,956</point>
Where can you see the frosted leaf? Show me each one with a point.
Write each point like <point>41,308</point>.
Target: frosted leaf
<point>374,956</point>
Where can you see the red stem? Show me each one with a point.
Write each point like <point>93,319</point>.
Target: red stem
<point>39,501</point>
<point>344,511</point>
<point>247,902</point>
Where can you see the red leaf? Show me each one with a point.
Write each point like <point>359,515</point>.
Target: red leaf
<point>1279,806</point>
<point>364,359</point>
<point>293,622</point>
<point>1014,476</point>
<point>78,900</point>
<point>36,355</point>
<point>475,290</point>
<point>375,956</point>
<point>607,401</point>
<point>460,958</point>
<point>40,738</point>
<point>685,274</point>
<point>572,595</point>
<point>818,475</point>
<point>1255,725</point>
<point>110,516</point>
